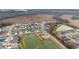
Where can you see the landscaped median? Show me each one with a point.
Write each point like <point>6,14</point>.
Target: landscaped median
<point>35,41</point>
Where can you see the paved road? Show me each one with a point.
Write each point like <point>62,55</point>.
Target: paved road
<point>56,41</point>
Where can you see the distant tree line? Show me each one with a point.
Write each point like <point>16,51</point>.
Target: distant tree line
<point>4,24</point>
<point>75,17</point>
<point>60,20</point>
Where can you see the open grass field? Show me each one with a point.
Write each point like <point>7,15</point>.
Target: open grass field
<point>33,41</point>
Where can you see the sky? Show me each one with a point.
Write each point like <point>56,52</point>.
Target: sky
<point>44,4</point>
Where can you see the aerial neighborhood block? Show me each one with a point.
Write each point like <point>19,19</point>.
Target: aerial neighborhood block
<point>39,29</point>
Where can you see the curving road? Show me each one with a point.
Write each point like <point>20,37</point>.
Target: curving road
<point>57,42</point>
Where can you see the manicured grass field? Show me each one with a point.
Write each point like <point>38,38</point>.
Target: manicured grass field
<point>32,41</point>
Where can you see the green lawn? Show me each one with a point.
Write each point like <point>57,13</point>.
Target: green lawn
<point>32,41</point>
